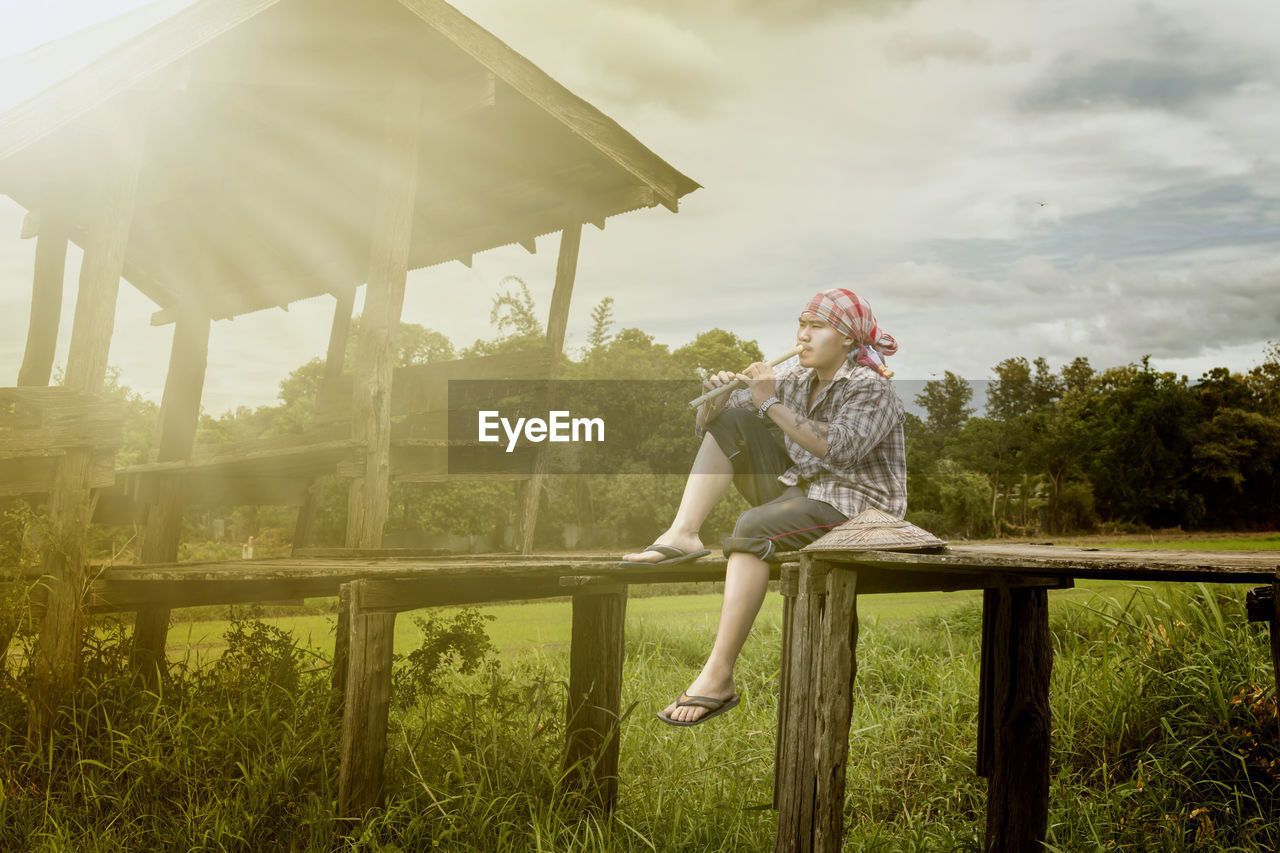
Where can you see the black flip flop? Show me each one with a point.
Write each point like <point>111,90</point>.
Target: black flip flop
<point>715,708</point>
<point>674,555</point>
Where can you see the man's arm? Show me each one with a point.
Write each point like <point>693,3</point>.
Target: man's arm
<point>861,422</point>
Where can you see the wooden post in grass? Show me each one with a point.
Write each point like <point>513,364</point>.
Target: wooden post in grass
<point>391,234</point>
<point>46,303</point>
<point>986,675</point>
<point>595,695</point>
<point>795,770</point>
<point>71,501</point>
<point>366,705</point>
<point>1021,658</point>
<point>179,416</point>
<point>789,584</point>
<point>557,323</point>
<point>834,706</point>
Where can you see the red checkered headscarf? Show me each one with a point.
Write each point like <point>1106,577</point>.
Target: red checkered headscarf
<point>850,315</point>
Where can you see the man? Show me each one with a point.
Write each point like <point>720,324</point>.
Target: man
<point>808,449</point>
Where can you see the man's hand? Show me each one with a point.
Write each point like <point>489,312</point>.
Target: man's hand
<point>760,379</point>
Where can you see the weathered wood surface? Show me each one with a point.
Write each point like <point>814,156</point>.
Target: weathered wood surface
<point>593,711</point>
<point>391,236</point>
<point>1154,564</point>
<point>57,658</point>
<point>557,322</point>
<point>1021,659</point>
<point>367,704</point>
<point>796,765</point>
<point>837,668</point>
<point>40,421</point>
<point>162,533</point>
<point>46,304</point>
<point>788,586</point>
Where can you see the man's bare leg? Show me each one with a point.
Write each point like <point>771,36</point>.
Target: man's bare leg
<point>746,579</point>
<point>709,479</point>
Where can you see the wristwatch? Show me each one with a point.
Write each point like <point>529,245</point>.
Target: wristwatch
<point>764,407</point>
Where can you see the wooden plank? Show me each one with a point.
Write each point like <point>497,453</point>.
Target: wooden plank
<point>1156,564</point>
<point>366,706</point>
<point>46,305</point>
<point>557,322</point>
<point>593,711</point>
<point>391,237</point>
<point>1018,787</point>
<point>834,705</point>
<point>336,355</point>
<point>796,768</point>
<point>162,532</point>
<point>613,143</point>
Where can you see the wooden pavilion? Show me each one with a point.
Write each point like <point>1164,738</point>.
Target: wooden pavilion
<point>246,154</point>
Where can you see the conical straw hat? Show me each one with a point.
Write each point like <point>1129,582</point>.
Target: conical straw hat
<point>873,530</point>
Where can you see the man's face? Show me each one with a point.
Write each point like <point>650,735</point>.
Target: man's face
<point>823,345</point>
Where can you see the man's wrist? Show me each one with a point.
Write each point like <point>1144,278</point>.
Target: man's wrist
<point>764,407</point>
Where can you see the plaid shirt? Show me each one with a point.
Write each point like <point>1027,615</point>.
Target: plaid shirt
<point>866,461</point>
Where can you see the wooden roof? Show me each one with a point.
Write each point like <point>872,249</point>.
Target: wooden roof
<point>263,121</point>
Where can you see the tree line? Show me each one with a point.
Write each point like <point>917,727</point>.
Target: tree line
<point>1127,447</point>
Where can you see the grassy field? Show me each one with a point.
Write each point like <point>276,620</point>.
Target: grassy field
<point>1164,737</point>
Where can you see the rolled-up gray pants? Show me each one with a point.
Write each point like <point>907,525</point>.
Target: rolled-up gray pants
<point>781,518</point>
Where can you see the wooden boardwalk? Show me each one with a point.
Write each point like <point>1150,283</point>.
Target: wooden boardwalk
<point>819,665</point>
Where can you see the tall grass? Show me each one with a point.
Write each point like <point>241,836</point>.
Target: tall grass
<point>1165,739</point>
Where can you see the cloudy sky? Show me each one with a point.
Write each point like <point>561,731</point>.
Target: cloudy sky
<point>997,177</point>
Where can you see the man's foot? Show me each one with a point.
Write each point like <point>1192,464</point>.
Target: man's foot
<point>722,691</point>
<point>686,543</point>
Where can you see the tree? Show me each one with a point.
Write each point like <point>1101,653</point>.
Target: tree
<point>601,322</point>
<point>946,401</point>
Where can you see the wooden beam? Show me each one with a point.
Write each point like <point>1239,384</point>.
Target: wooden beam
<point>179,416</point>
<point>593,712</point>
<point>833,698</point>
<point>366,706</point>
<point>557,323</point>
<point>392,235</point>
<point>46,306</point>
<point>1022,657</point>
<point>57,656</point>
<point>795,770</point>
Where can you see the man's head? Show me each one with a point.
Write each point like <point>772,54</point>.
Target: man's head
<point>850,328</point>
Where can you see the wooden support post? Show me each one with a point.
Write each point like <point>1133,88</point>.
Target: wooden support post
<point>304,526</point>
<point>341,645</point>
<point>834,705</point>
<point>392,233</point>
<point>46,306</point>
<point>595,695</point>
<point>990,601</point>
<point>1018,788</point>
<point>366,706</point>
<point>789,584</point>
<point>795,770</point>
<point>57,656</point>
<point>1275,640</point>
<point>557,322</point>
<point>179,417</point>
